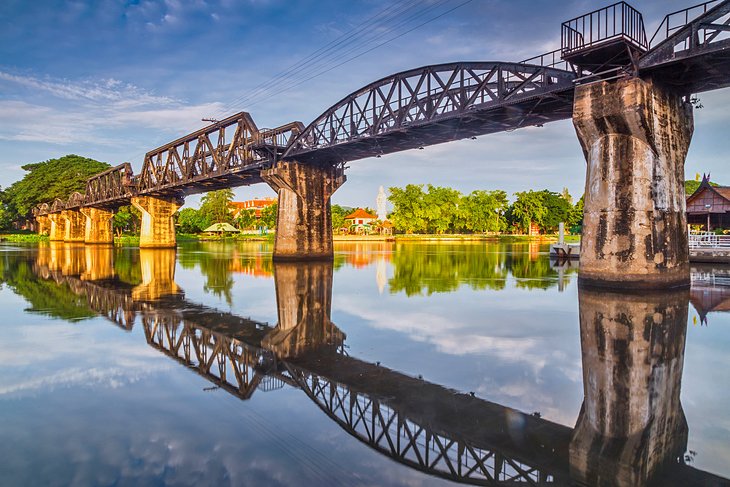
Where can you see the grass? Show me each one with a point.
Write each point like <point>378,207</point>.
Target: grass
<point>24,237</point>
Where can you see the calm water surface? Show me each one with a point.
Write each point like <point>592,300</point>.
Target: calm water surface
<point>401,364</point>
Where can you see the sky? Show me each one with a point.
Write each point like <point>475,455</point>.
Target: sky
<point>113,79</point>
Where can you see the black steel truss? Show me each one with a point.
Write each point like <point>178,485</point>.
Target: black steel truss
<point>435,104</point>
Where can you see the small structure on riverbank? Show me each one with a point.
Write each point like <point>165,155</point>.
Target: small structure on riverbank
<point>221,228</point>
<point>360,221</point>
<point>709,206</point>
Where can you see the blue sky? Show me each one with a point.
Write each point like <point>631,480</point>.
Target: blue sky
<point>113,79</point>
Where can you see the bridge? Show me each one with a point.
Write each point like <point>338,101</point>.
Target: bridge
<point>629,99</point>
<point>629,433</point>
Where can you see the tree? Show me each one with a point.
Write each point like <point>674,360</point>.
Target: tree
<point>528,208</point>
<point>558,209</point>
<point>268,216</point>
<point>484,210</point>
<point>245,219</point>
<point>126,220</point>
<point>48,180</point>
<point>441,208</point>
<point>408,208</point>
<point>190,220</point>
<point>215,206</point>
<point>338,216</point>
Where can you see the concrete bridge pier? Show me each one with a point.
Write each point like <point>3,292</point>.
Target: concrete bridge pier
<point>635,135</point>
<point>631,425</point>
<point>304,219</point>
<point>158,227</point>
<point>98,227</point>
<point>75,226</point>
<point>304,300</point>
<point>58,227</point>
<point>44,224</point>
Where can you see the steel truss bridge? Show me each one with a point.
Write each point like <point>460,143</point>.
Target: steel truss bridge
<point>690,52</point>
<point>424,426</point>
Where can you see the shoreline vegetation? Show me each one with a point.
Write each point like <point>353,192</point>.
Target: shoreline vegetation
<point>134,239</point>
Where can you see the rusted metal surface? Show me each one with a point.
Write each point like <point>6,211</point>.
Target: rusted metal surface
<point>695,56</point>
<point>225,154</point>
<point>111,187</point>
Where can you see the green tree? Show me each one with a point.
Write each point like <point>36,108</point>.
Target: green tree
<point>215,206</point>
<point>246,219</point>
<point>558,209</point>
<point>484,210</point>
<point>528,207</point>
<point>408,208</point>
<point>338,216</point>
<point>575,221</point>
<point>126,220</point>
<point>190,220</point>
<point>441,209</point>
<point>268,216</point>
<point>45,181</point>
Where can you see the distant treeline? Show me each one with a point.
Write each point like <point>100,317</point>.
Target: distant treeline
<point>438,209</point>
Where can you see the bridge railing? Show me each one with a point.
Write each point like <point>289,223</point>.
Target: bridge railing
<point>708,240</point>
<point>619,20</point>
<point>552,59</point>
<point>676,20</point>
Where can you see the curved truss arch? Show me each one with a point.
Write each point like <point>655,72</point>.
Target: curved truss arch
<point>76,200</point>
<point>57,205</point>
<point>435,104</point>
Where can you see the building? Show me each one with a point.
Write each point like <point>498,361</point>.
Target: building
<point>708,206</point>
<point>256,204</point>
<point>360,221</point>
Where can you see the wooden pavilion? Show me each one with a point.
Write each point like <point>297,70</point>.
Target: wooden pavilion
<point>709,206</point>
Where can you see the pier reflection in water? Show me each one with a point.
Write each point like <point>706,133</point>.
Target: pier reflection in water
<point>631,429</point>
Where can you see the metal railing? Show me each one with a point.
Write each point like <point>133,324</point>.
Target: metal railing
<point>617,21</point>
<point>552,59</point>
<point>699,240</point>
<point>676,20</point>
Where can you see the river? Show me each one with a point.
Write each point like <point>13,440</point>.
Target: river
<point>398,364</point>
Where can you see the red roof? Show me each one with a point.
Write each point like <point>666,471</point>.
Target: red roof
<point>360,213</point>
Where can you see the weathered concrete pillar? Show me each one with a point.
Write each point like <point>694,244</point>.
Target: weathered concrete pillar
<point>635,136</point>
<point>158,275</point>
<point>98,228</point>
<point>58,227</point>
<point>304,220</point>
<point>75,226</point>
<point>158,227</point>
<point>44,224</point>
<point>631,424</point>
<point>99,261</point>
<point>304,300</point>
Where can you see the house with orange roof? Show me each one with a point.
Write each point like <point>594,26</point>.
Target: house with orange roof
<point>360,221</point>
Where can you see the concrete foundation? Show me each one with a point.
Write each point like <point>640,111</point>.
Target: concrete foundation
<point>304,300</point>
<point>44,224</point>
<point>75,226</point>
<point>304,220</point>
<point>631,424</point>
<point>157,227</point>
<point>98,226</point>
<point>57,227</point>
<point>635,136</point>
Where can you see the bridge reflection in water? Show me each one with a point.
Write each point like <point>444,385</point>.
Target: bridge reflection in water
<point>631,428</point>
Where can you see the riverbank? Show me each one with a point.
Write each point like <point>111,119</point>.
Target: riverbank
<point>134,239</point>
